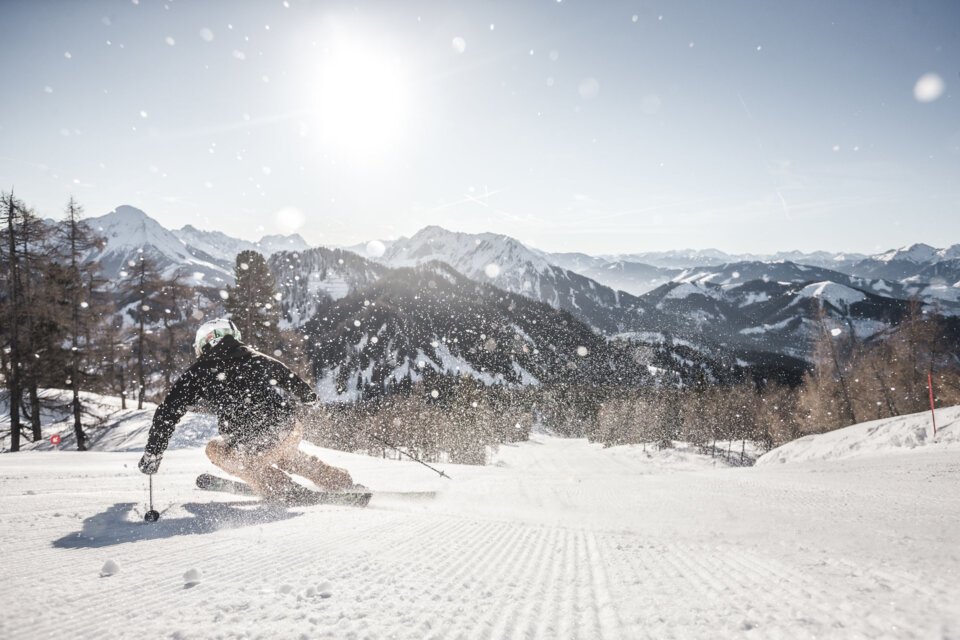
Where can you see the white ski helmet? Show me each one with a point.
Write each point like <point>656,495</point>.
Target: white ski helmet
<point>212,331</point>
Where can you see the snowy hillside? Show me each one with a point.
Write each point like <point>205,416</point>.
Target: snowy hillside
<point>912,432</point>
<point>558,539</point>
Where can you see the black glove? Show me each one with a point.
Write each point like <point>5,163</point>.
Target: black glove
<point>150,463</point>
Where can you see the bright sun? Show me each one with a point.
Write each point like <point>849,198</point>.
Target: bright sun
<point>363,97</point>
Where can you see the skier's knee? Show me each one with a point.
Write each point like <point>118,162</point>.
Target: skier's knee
<point>214,450</point>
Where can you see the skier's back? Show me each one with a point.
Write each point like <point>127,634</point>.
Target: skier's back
<point>252,395</point>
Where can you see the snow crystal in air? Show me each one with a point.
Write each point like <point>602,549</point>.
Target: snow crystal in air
<point>84,304</point>
<point>375,249</point>
<point>635,17</point>
<point>459,44</point>
<point>374,340</point>
<point>582,351</point>
<point>244,266</point>
<point>278,296</point>
<point>67,55</point>
<point>109,568</point>
<point>735,274</point>
<point>650,104</point>
<point>836,332</point>
<point>48,89</point>
<point>434,394</point>
<point>492,270</point>
<point>554,55</point>
<point>223,294</point>
<point>836,147</point>
<point>239,55</point>
<point>266,170</point>
<point>550,81</point>
<point>143,114</point>
<point>277,353</point>
<point>589,88</point>
<point>356,323</point>
<point>170,41</point>
<point>290,219</point>
<point>206,34</point>
<point>492,26</point>
<point>928,88</point>
<point>191,577</point>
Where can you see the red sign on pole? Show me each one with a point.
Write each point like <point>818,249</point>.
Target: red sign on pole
<point>933,415</point>
<point>55,439</point>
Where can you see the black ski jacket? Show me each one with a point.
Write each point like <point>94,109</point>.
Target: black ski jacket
<point>249,391</point>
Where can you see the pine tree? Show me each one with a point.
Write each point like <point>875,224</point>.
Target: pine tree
<point>173,301</point>
<point>141,285</point>
<point>11,210</point>
<point>76,239</point>
<point>252,303</point>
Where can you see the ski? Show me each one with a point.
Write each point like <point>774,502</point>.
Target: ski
<point>300,497</point>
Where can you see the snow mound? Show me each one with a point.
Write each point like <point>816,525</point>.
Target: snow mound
<point>875,438</point>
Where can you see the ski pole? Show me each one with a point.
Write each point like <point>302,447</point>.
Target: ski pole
<point>151,515</point>
<point>414,458</point>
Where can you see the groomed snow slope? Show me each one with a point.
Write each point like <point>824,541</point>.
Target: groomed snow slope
<point>875,438</point>
<point>558,539</point>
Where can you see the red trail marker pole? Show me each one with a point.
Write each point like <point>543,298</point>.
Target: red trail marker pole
<point>933,415</point>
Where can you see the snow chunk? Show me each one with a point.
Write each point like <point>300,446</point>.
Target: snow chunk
<point>109,568</point>
<point>192,577</point>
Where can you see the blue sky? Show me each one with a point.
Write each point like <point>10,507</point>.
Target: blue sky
<point>604,127</point>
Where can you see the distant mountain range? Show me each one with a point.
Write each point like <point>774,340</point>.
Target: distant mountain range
<point>743,310</point>
<point>204,257</point>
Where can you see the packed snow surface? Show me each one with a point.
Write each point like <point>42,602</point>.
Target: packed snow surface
<point>558,538</point>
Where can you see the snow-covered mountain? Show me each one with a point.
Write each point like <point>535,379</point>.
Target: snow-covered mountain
<point>512,266</point>
<point>691,258</point>
<point>759,317</point>
<point>427,321</point>
<point>633,277</point>
<point>204,257</point>
<point>131,233</point>
<point>310,281</point>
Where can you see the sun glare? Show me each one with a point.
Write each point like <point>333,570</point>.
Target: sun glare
<point>363,97</point>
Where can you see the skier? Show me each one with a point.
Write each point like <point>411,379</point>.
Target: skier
<point>251,395</point>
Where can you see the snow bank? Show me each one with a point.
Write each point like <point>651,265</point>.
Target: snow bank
<point>108,427</point>
<point>875,438</point>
